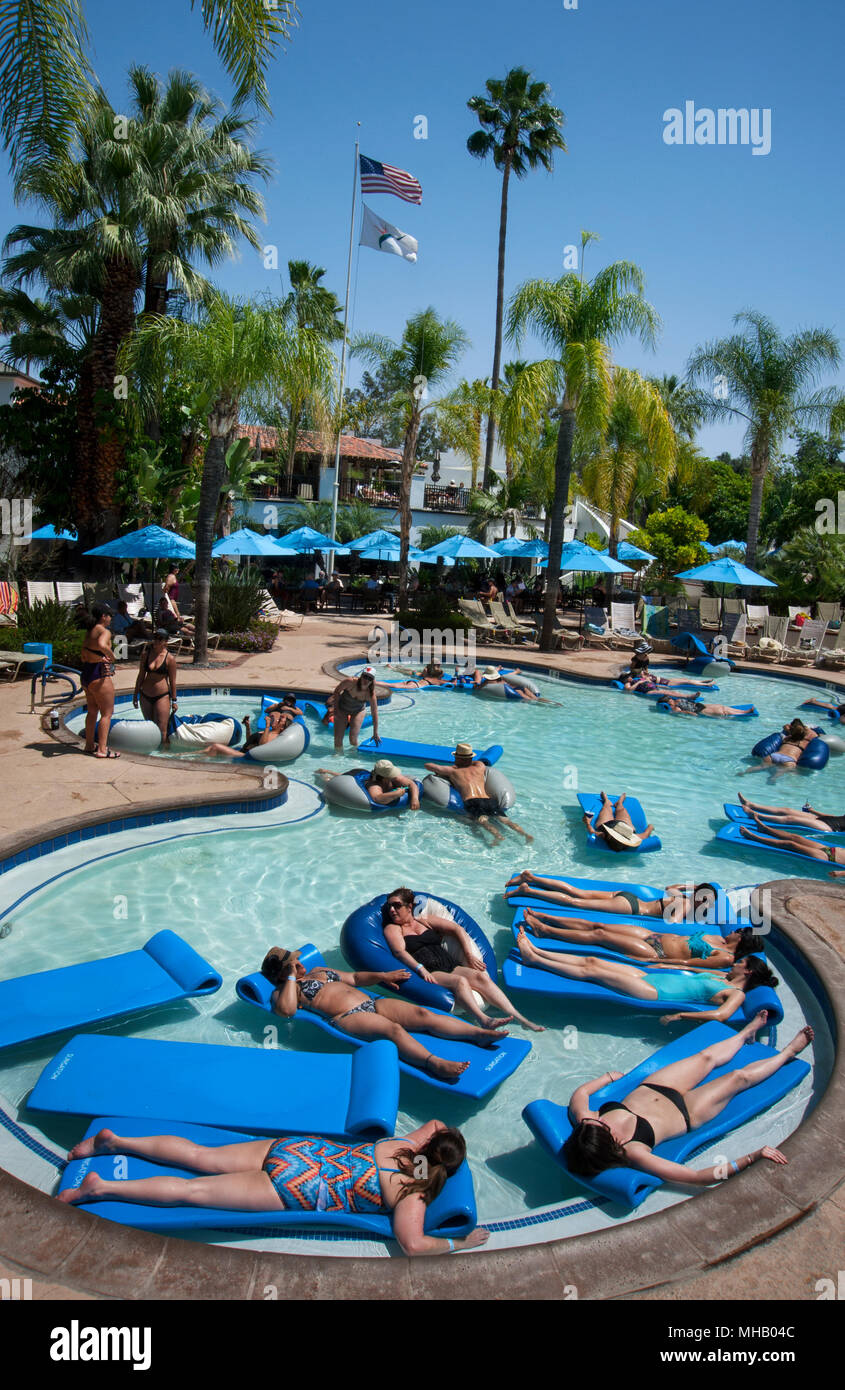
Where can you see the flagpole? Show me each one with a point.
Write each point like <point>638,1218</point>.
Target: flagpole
<point>336,489</point>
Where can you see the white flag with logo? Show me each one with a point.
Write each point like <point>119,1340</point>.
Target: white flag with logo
<point>383,236</point>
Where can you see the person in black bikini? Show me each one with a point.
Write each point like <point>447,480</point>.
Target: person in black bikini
<point>96,677</point>
<point>677,1099</point>
<point>155,687</point>
<point>418,943</point>
<point>347,705</point>
<point>334,993</point>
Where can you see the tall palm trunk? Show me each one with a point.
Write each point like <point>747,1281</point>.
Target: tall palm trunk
<point>222,423</point>
<point>409,453</point>
<point>759,468</point>
<point>563,473</point>
<point>500,308</point>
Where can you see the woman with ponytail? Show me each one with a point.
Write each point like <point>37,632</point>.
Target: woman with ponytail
<point>401,1176</point>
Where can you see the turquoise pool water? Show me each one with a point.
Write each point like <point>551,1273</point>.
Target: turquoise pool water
<point>239,886</point>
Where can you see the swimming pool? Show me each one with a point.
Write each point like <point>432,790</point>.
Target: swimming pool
<point>233,890</point>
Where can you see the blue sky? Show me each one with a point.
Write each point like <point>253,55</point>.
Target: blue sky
<point>714,228</point>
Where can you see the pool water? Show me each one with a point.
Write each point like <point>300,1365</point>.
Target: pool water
<point>241,885</point>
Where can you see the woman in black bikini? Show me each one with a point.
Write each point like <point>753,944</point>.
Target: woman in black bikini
<point>417,942</point>
<point>681,902</point>
<point>335,994</point>
<point>347,704</point>
<point>624,1133</point>
<point>96,677</point>
<point>155,687</point>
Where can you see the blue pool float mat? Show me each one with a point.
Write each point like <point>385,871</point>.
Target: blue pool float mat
<point>552,943</point>
<point>268,1090</point>
<point>591,803</point>
<point>452,1213</point>
<point>425,752</point>
<point>748,711</point>
<point>741,816</point>
<point>731,834</point>
<point>727,916</point>
<point>488,1067</point>
<point>534,980</point>
<point>163,970</point>
<point>551,1125</point>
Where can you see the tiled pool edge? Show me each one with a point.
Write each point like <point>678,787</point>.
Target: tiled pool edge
<point>86,1255</point>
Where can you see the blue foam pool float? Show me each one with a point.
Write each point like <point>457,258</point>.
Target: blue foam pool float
<point>362,943</point>
<point>452,1213</point>
<point>268,1090</point>
<point>591,803</point>
<point>488,1067</point>
<point>732,834</point>
<point>815,755</point>
<point>748,711</point>
<point>166,968</point>
<point>534,980</point>
<point>551,1125</point>
<point>425,752</point>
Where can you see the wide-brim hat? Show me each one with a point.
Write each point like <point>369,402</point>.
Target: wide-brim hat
<point>623,834</point>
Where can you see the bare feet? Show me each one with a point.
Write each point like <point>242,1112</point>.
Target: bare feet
<point>101,1143</point>
<point>443,1070</point>
<point>89,1188</point>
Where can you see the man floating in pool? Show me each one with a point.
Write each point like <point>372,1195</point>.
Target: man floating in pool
<point>682,705</point>
<point>469,778</point>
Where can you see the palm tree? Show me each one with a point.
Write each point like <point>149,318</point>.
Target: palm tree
<point>639,432</point>
<point>766,381</point>
<point>579,320</point>
<point>521,130</point>
<point>425,357</point>
<point>232,348</point>
<point>45,75</point>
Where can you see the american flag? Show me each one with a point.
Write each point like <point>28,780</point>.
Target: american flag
<point>383,178</point>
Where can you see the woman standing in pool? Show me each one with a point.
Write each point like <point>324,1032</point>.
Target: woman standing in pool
<point>726,994</point>
<point>348,705</point>
<point>96,677</point>
<point>681,902</point>
<point>418,943</point>
<point>155,687</point>
<point>399,1176</point>
<point>676,1099</point>
<point>719,952</point>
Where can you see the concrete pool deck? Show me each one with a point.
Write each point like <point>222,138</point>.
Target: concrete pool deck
<point>770,1234</point>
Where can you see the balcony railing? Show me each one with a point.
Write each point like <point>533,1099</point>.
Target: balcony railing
<point>446,499</point>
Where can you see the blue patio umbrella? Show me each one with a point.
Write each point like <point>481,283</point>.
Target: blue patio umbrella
<point>461,548</point>
<point>379,537</point>
<point>49,533</point>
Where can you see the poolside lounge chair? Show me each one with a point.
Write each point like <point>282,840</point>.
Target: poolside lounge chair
<point>70,594</point>
<point>708,609</point>
<point>40,591</point>
<point>808,648</point>
<point>623,624</point>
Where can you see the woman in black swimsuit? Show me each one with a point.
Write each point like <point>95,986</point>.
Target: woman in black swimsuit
<point>96,676</point>
<point>155,687</point>
<point>624,1133</point>
<point>418,943</point>
<point>347,705</point>
<point>334,993</point>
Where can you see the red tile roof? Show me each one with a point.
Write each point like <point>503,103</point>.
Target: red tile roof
<point>309,442</point>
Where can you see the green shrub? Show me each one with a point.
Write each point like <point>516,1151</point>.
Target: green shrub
<point>234,601</point>
<point>258,636</point>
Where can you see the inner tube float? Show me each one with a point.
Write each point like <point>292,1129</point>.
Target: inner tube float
<point>437,790</point>
<point>134,735</point>
<point>815,755</point>
<point>194,730</point>
<point>362,943</point>
<point>287,746</point>
<point>349,789</point>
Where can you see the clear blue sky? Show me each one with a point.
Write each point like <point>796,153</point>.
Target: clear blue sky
<point>715,229</point>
